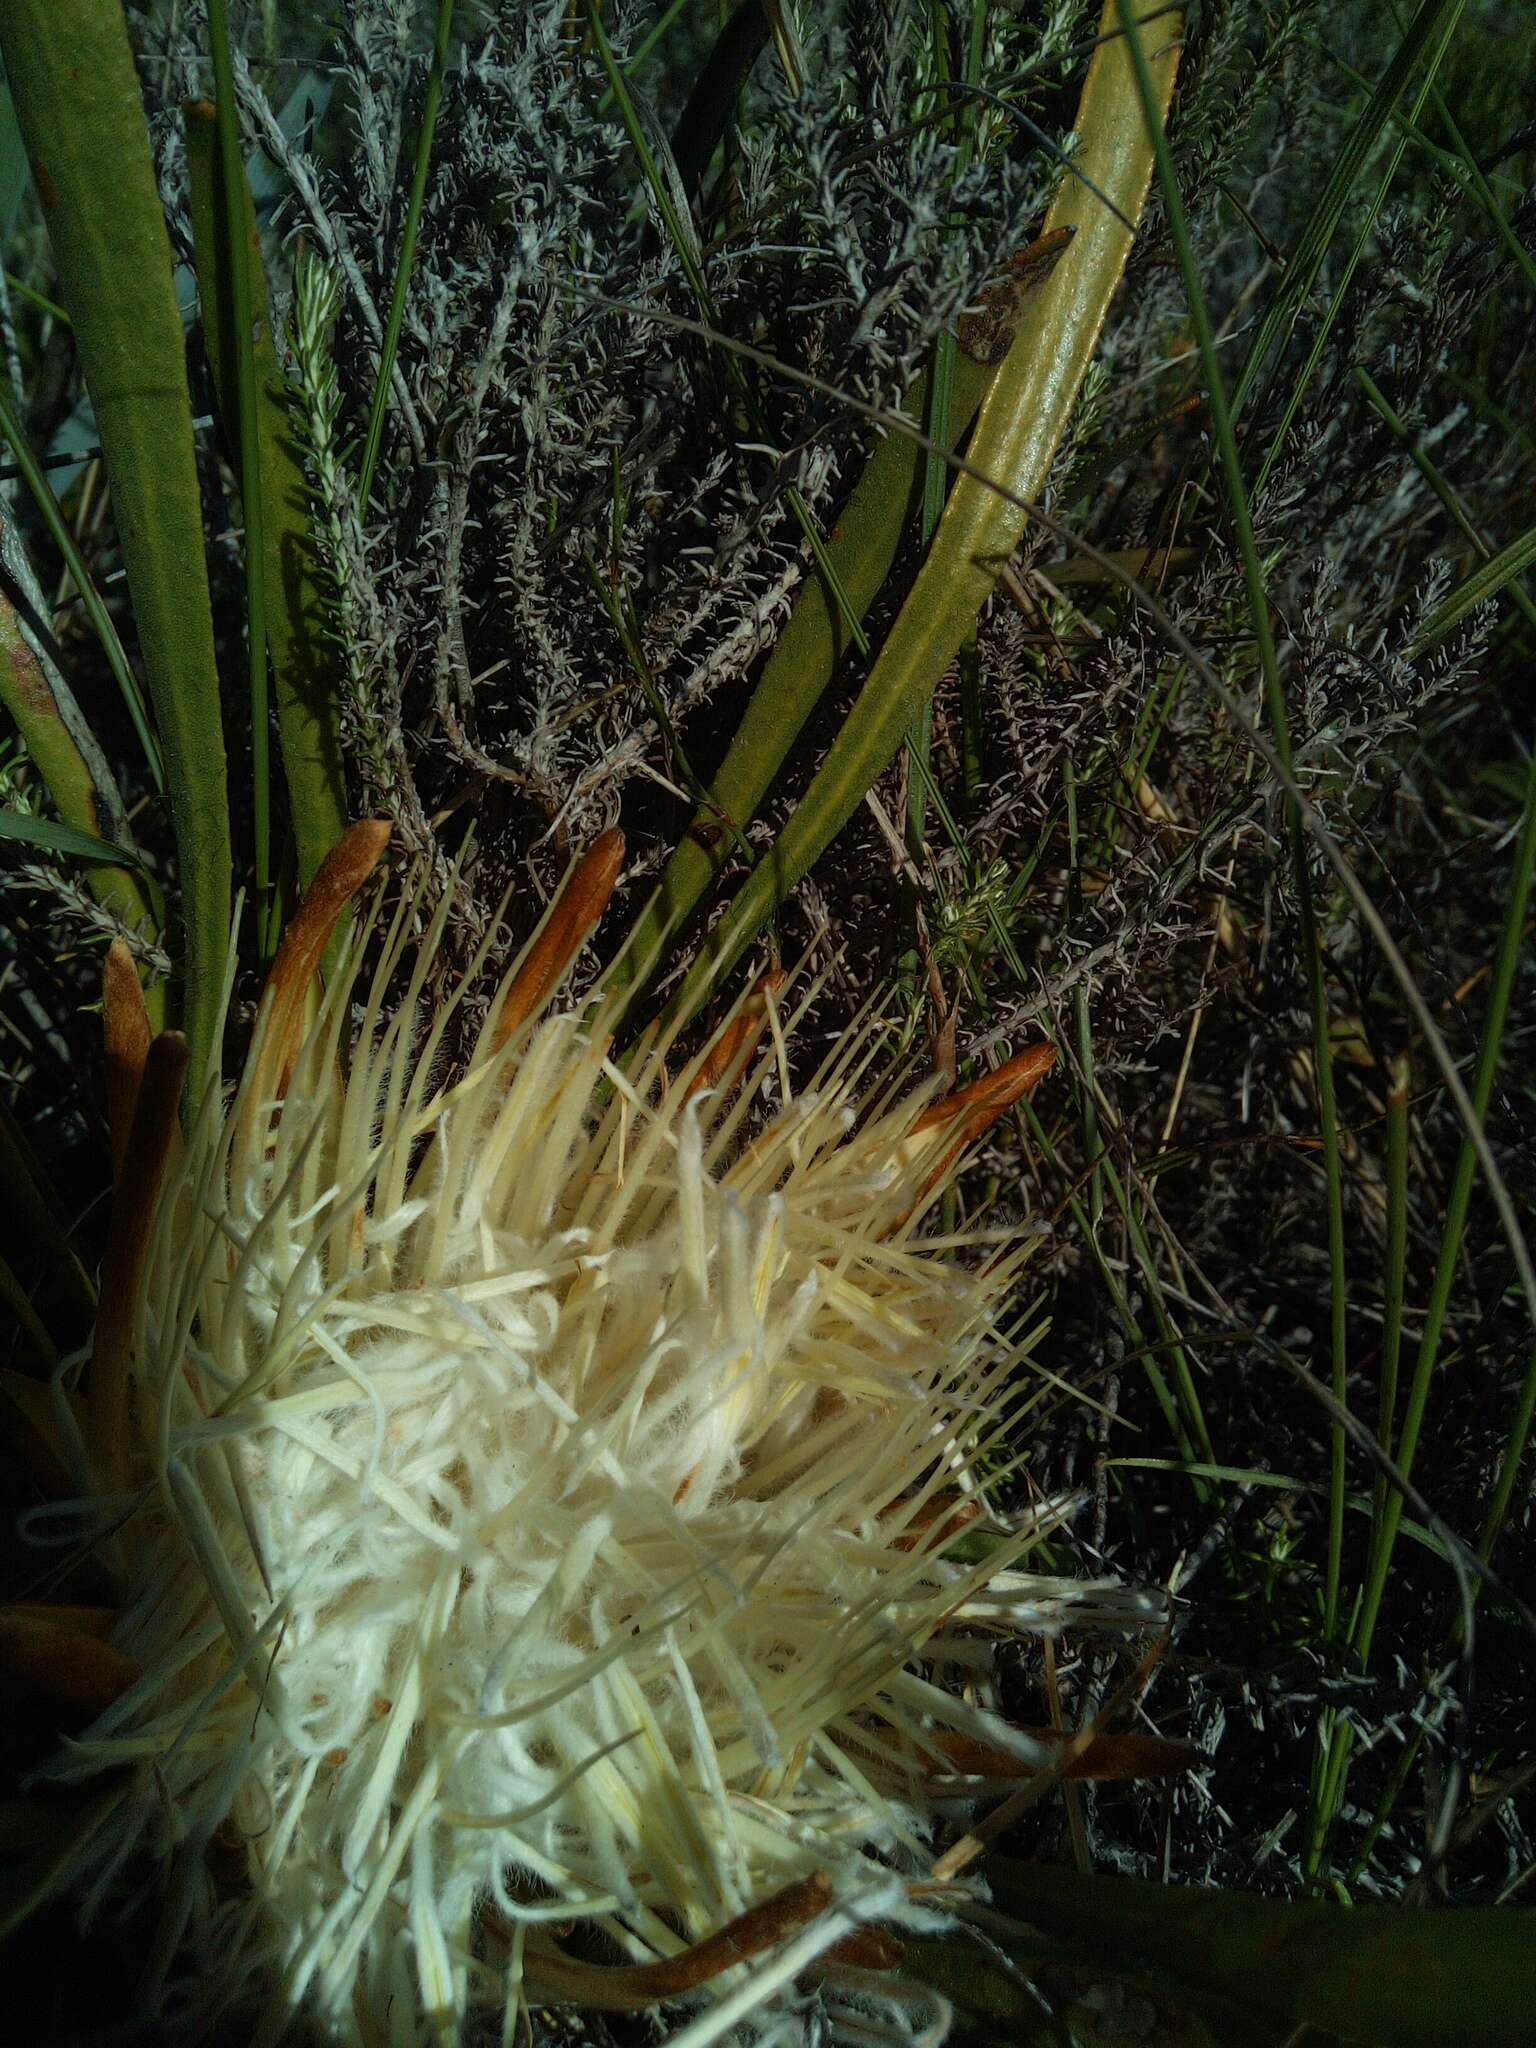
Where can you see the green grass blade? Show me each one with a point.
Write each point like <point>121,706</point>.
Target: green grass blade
<point>1230,464</point>
<point>1442,486</point>
<point>85,811</point>
<point>303,666</point>
<point>1017,432</point>
<point>1306,262</point>
<point>1506,964</point>
<point>242,256</point>
<point>1482,584</point>
<point>77,95</point>
<point>35,477</point>
<point>390,347</point>
<point>1395,1289</point>
<point>1362,236</point>
<point>52,837</point>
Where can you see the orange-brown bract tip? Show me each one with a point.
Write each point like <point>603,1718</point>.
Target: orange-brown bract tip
<point>631,1987</point>
<point>738,1038</point>
<point>337,879</point>
<point>65,1662</point>
<point>126,1036</point>
<point>581,901</point>
<point>976,1107</point>
<point>155,1128</point>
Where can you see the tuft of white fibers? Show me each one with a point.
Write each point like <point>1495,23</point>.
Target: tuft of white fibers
<point>549,1481</point>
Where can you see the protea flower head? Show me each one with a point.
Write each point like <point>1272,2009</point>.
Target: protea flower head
<point>549,1501</point>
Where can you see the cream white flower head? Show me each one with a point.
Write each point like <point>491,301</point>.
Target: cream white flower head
<point>545,1490</point>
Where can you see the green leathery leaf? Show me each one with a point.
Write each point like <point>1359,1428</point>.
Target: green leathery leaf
<point>76,91</point>
<point>1018,430</point>
<point>303,669</point>
<point>1386,1975</point>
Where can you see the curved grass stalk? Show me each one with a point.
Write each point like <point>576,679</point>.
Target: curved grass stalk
<point>72,75</point>
<point>1018,430</point>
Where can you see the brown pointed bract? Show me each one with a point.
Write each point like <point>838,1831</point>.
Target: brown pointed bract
<point>65,1662</point>
<point>947,1127</point>
<point>628,1987</point>
<point>153,1132</point>
<point>973,1110</point>
<point>337,880</point>
<point>735,1044</point>
<point>582,899</point>
<point>126,1035</point>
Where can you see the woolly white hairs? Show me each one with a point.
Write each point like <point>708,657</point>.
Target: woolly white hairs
<point>552,1505</point>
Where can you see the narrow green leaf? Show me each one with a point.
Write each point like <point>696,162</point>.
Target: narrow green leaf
<point>35,477</point>
<point>18,1304</point>
<point>1361,237</point>
<point>1017,432</point>
<point>33,1216</point>
<point>1442,486</point>
<point>859,553</point>
<point>712,102</point>
<point>861,547</point>
<point>303,666</point>
<point>1301,271</point>
<point>72,73</point>
<point>1482,584</point>
<point>374,438</point>
<point>242,256</point>
<point>55,838</point>
<point>74,782</point>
